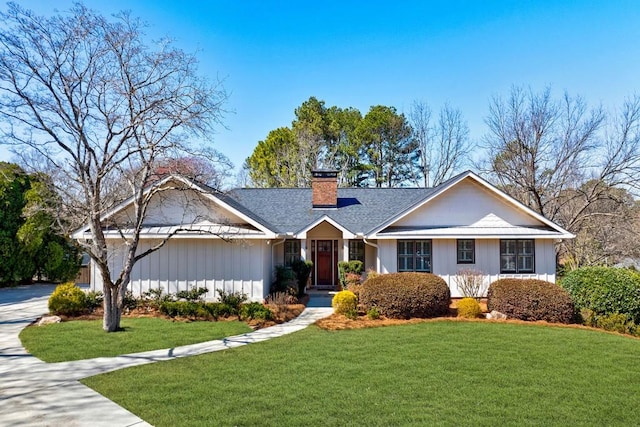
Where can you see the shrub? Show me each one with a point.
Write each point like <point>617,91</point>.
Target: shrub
<point>129,302</point>
<point>406,295</point>
<point>344,301</point>
<point>371,273</point>
<point>352,314</point>
<point>68,299</point>
<point>588,317</point>
<point>356,289</point>
<point>281,298</point>
<point>348,267</point>
<point>471,283</point>
<point>182,309</point>
<point>232,300</point>
<point>605,290</point>
<point>255,310</point>
<point>469,308</point>
<point>373,313</point>
<point>531,299</point>
<point>152,298</point>
<point>193,294</point>
<point>217,309</point>
<point>302,271</point>
<point>617,322</point>
<point>94,300</point>
<point>352,280</point>
<point>285,279</point>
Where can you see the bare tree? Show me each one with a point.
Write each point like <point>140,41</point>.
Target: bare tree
<point>96,103</point>
<point>443,144</point>
<point>563,159</point>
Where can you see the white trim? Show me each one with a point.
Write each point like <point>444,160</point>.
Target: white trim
<point>346,234</point>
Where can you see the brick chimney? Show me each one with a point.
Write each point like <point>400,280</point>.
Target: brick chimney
<point>324,188</point>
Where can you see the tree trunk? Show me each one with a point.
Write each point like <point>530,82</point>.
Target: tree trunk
<point>112,309</point>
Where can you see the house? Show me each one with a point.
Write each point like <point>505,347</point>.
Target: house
<point>234,240</point>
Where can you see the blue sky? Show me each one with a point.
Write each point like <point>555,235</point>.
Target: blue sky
<point>273,55</point>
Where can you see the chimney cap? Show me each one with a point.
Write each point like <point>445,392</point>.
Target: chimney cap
<point>324,173</point>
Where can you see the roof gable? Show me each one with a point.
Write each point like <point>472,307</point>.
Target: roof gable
<point>469,201</point>
<point>178,201</point>
<point>346,234</point>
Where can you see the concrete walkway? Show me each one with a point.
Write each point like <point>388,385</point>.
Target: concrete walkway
<point>34,393</point>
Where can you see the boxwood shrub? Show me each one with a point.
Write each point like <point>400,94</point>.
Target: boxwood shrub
<point>255,310</point>
<point>605,290</point>
<point>190,309</point>
<point>406,295</point>
<point>531,299</point>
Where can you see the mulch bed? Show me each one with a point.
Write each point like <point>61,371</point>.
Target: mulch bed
<point>282,313</point>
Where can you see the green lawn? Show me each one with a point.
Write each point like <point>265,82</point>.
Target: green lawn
<point>82,339</point>
<point>439,373</point>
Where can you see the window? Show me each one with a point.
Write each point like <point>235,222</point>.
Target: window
<point>291,251</point>
<point>414,255</point>
<point>517,256</point>
<point>356,250</point>
<point>466,251</point>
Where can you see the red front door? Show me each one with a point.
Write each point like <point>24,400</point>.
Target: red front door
<point>324,263</point>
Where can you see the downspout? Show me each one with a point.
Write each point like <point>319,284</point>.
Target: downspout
<point>373,245</point>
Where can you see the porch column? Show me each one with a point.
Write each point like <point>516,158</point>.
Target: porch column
<point>345,250</point>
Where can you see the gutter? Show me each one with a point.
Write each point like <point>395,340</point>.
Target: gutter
<point>373,245</point>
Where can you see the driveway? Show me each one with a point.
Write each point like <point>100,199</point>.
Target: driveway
<point>34,393</point>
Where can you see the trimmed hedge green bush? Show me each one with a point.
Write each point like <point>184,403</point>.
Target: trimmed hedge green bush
<point>184,309</point>
<point>605,290</point>
<point>68,299</point>
<point>406,295</point>
<point>531,299</point>
<point>255,310</point>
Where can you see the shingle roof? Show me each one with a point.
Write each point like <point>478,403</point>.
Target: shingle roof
<point>359,209</point>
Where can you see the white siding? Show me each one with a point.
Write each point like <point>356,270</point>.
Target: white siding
<point>387,251</point>
<point>187,263</point>
<point>370,257</point>
<point>444,260</point>
<point>267,269</point>
<point>465,204</point>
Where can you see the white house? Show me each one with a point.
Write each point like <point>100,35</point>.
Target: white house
<point>233,241</point>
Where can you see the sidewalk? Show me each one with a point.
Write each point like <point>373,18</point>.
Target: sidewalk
<point>35,393</point>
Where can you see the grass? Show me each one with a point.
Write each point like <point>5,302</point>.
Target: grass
<point>440,373</point>
<point>85,339</point>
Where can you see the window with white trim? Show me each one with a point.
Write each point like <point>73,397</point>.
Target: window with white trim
<point>291,251</point>
<point>517,256</point>
<point>356,250</point>
<point>414,255</point>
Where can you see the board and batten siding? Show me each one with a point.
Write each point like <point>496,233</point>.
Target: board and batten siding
<point>183,264</point>
<point>444,260</point>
